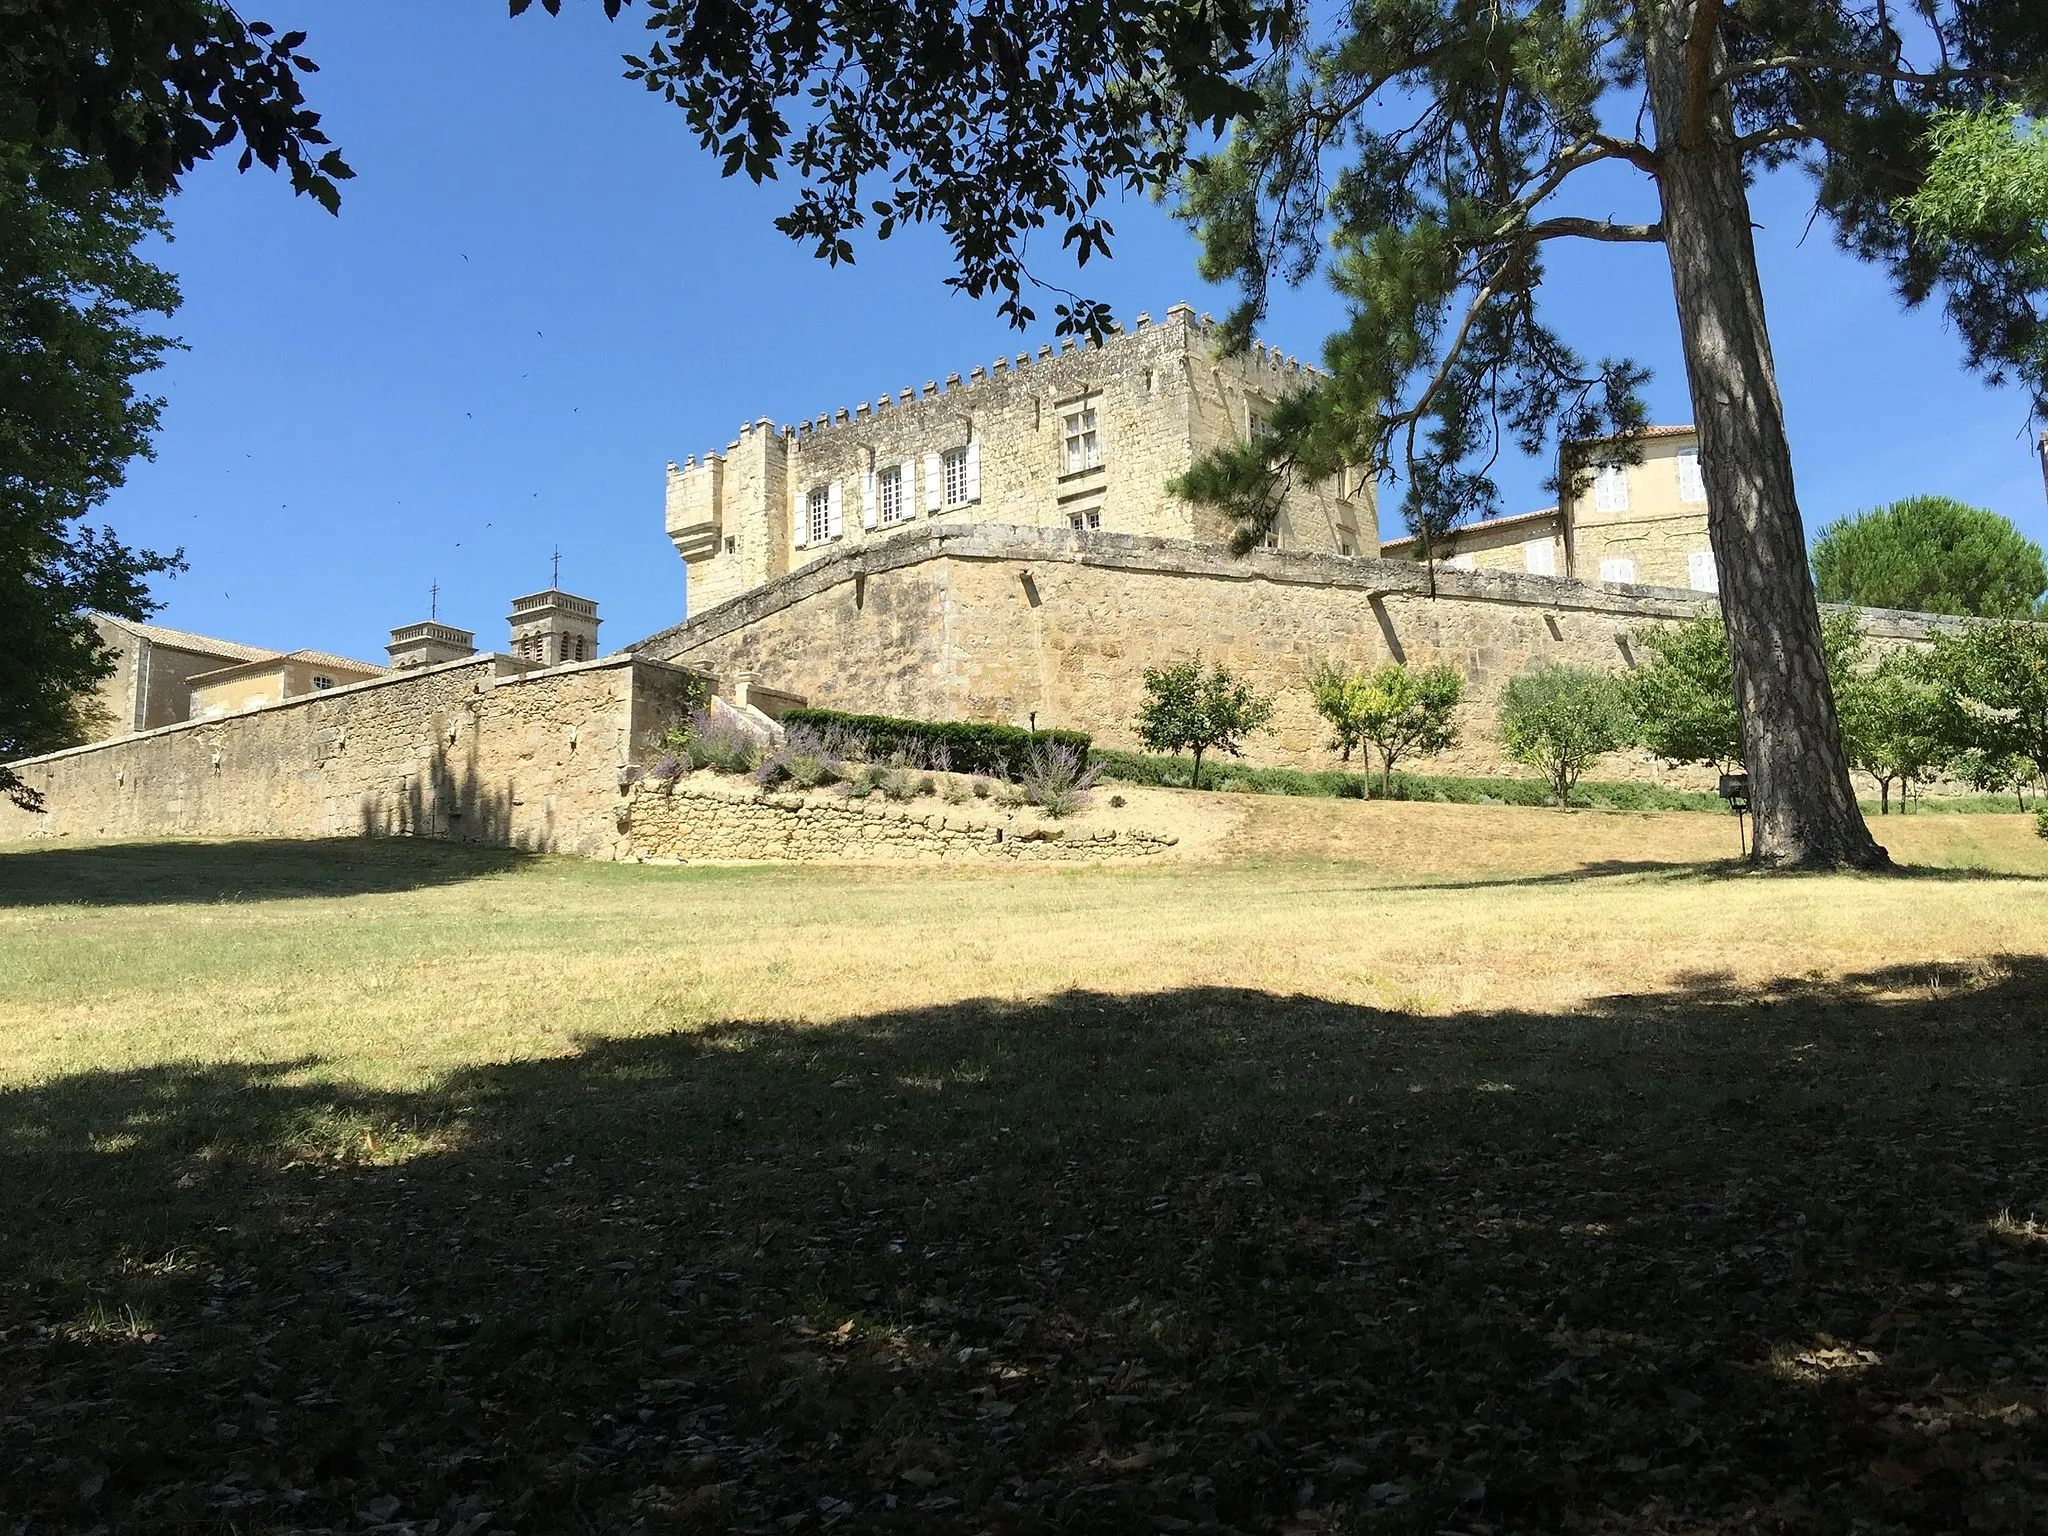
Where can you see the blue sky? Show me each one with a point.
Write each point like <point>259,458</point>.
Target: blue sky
<point>539,291</point>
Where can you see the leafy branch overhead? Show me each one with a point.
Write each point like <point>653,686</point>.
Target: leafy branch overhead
<point>149,88</point>
<point>993,121</point>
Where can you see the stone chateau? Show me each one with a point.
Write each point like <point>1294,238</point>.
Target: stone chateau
<point>1083,439</point>
<point>1000,547</point>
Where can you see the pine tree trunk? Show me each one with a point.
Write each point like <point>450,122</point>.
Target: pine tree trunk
<point>1804,804</point>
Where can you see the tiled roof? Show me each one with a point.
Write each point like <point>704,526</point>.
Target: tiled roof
<point>184,640</point>
<point>1685,431</point>
<point>1481,526</point>
<point>329,659</point>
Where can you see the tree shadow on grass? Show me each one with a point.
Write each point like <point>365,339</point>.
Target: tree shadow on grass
<point>1211,1259</point>
<point>271,869</point>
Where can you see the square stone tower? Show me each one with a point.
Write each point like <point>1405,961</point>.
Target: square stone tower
<point>428,644</point>
<point>553,627</point>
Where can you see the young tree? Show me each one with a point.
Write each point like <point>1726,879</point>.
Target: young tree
<point>75,298</point>
<point>1401,710</point>
<point>1189,710</point>
<point>1891,724</point>
<point>1558,719</point>
<point>1993,683</point>
<point>1685,694</point>
<point>1931,555</point>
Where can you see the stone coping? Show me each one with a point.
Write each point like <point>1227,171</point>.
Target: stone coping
<point>1374,578</point>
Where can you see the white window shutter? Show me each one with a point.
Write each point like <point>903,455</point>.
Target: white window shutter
<point>974,471</point>
<point>1540,559</point>
<point>800,517</point>
<point>909,503</point>
<point>934,482</point>
<point>1691,487</point>
<point>834,526</point>
<point>1617,569</point>
<point>1700,571</point>
<point>1610,488</point>
<point>867,499</point>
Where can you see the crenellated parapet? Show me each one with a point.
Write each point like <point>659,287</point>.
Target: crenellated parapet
<point>1085,436</point>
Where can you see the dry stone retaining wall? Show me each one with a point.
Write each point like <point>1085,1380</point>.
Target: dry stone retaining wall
<point>692,821</point>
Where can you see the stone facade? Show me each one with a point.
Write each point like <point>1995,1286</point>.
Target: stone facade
<point>1633,524</point>
<point>1081,439</point>
<point>717,819</point>
<point>480,750</point>
<point>1046,625</point>
<point>259,684</point>
<point>151,684</point>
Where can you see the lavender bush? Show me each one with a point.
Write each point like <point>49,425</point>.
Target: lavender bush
<point>1057,779</point>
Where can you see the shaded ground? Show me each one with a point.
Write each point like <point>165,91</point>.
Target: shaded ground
<point>1207,1260</point>
<point>127,874</point>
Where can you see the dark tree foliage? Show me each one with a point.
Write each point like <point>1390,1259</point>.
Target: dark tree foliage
<point>74,300</point>
<point>1931,555</point>
<point>993,119</point>
<point>149,88</point>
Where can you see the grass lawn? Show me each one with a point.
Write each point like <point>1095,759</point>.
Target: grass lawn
<point>1403,1167</point>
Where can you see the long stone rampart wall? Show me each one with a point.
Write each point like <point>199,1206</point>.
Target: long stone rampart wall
<point>1023,624</point>
<point>479,750</point>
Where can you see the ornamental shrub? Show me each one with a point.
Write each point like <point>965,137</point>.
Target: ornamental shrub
<point>1558,719</point>
<point>956,746</point>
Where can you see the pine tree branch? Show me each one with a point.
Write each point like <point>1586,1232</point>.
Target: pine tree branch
<point>1595,229</point>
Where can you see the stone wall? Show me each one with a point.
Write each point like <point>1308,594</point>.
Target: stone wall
<point>479,750</point>
<point>722,821</point>
<point>1012,624</point>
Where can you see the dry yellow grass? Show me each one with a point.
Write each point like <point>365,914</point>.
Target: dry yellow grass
<point>410,961</point>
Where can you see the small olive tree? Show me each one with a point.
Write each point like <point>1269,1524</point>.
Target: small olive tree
<point>1558,719</point>
<point>1403,711</point>
<point>1189,710</point>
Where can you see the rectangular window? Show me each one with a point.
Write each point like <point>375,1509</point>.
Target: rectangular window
<point>1690,486</point>
<point>1082,522</point>
<point>732,544</point>
<point>1617,569</point>
<point>1272,540</point>
<point>1343,546</point>
<point>1700,571</point>
<point>953,465</point>
<point>889,490</point>
<point>1610,488</point>
<point>1540,559</point>
<point>820,508</point>
<point>1084,447</point>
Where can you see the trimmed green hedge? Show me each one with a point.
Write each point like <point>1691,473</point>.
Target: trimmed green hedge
<point>973,747</point>
<point>1173,772</point>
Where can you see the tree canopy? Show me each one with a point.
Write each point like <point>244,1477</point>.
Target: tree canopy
<point>1932,555</point>
<point>149,88</point>
<point>76,300</point>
